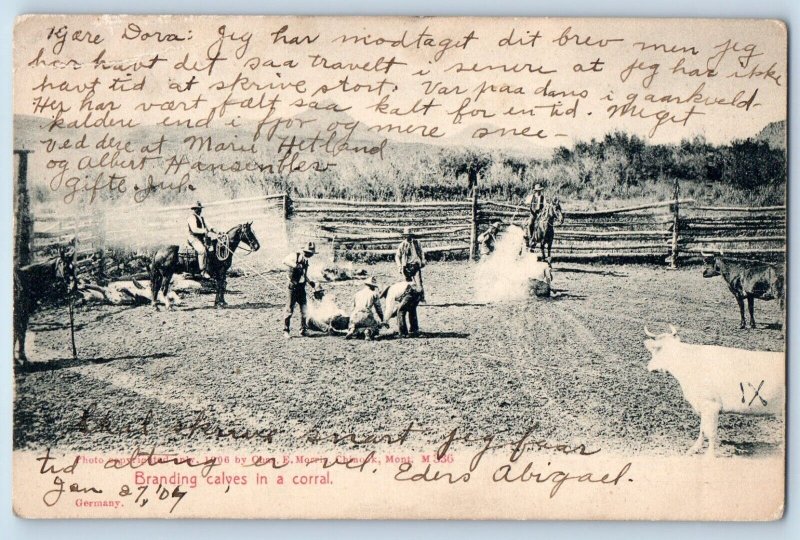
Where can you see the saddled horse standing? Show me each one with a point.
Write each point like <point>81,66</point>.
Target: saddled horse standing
<point>544,228</point>
<point>220,259</point>
<point>36,282</point>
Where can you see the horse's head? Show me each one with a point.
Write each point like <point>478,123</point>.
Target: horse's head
<point>248,236</point>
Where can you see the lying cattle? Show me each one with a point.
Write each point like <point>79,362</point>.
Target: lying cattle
<point>343,273</point>
<point>324,315</point>
<point>719,379</point>
<point>36,282</point>
<point>402,299</point>
<point>748,280</point>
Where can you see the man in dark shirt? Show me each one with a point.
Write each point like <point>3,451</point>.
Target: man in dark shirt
<point>297,263</point>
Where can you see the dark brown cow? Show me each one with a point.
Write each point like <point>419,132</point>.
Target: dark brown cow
<point>747,280</point>
<point>33,283</point>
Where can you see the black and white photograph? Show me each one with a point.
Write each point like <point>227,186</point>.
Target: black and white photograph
<point>309,267</point>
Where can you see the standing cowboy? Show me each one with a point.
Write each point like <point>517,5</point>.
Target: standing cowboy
<point>297,263</point>
<point>200,237</point>
<point>410,259</point>
<point>488,239</point>
<point>366,305</point>
<point>536,202</point>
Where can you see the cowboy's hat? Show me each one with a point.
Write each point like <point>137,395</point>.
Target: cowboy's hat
<point>371,282</point>
<point>496,225</point>
<point>310,248</point>
<point>197,206</point>
<point>538,187</point>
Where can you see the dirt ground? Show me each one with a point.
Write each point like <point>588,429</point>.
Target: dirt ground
<point>575,367</point>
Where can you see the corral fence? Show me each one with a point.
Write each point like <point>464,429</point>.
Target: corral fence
<point>372,230</point>
<point>117,242</point>
<point>671,231</point>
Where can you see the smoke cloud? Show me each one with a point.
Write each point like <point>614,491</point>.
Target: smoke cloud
<point>504,275</point>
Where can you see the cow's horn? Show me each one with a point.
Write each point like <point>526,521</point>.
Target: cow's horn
<point>648,333</point>
<point>673,330</point>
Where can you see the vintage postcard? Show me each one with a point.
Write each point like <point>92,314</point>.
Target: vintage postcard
<point>321,267</point>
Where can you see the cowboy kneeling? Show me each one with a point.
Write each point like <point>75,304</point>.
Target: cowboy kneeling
<point>366,304</point>
<point>200,237</point>
<point>297,262</point>
<point>488,239</point>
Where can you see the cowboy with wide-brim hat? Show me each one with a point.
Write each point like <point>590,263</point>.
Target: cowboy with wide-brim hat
<point>410,258</point>
<point>367,315</point>
<point>297,262</point>
<point>536,207</point>
<point>200,235</point>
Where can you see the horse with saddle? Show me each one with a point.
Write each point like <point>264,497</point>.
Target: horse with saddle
<point>540,229</point>
<point>214,255</point>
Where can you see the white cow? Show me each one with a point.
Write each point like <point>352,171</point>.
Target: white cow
<point>720,379</point>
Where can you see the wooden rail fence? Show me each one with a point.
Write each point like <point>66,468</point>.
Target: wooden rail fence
<point>669,230</point>
<point>370,230</point>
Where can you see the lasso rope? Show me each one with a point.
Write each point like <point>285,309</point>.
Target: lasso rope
<point>223,248</point>
<point>253,272</point>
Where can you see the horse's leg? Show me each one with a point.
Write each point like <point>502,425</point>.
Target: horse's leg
<point>220,299</point>
<point>20,331</point>
<point>740,301</point>
<point>750,310</point>
<point>155,285</point>
<point>19,334</point>
<point>223,282</point>
<point>165,288</point>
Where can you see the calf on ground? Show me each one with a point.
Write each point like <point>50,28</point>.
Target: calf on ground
<point>719,379</point>
<point>747,280</point>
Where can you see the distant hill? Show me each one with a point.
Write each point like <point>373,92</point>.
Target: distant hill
<point>774,134</point>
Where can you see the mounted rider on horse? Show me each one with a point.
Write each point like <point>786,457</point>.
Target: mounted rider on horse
<point>540,230</point>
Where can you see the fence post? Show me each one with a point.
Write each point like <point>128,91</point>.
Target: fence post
<point>287,205</point>
<point>673,263</point>
<point>473,230</point>
<point>22,215</point>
